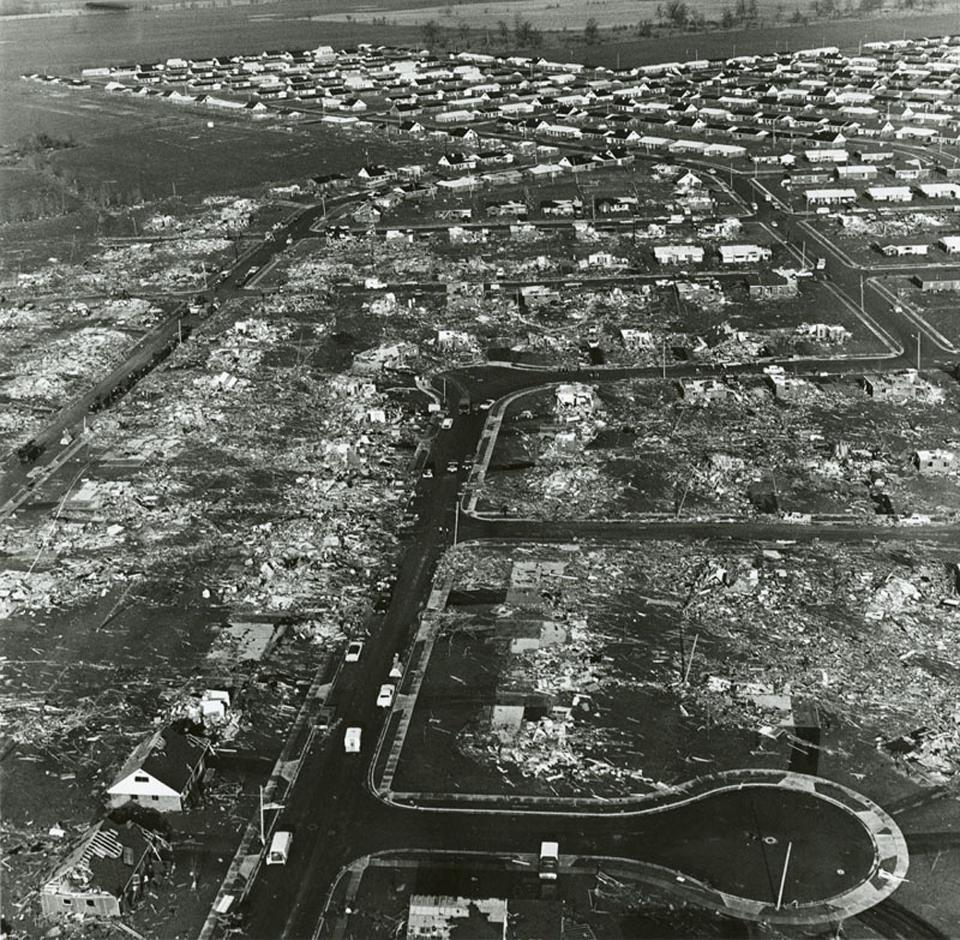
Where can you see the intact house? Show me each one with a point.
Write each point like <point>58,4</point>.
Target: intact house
<point>950,244</point>
<point>106,873</point>
<point>678,254</point>
<point>936,285</point>
<point>939,190</point>
<point>829,197</point>
<point>856,171</point>
<point>744,254</point>
<point>375,175</point>
<point>903,249</point>
<point>163,772</point>
<point>934,461</point>
<point>890,193</point>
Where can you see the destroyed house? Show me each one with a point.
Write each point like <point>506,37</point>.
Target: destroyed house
<point>163,772</point>
<point>703,391</point>
<point>562,208</point>
<point>824,332</point>
<point>615,205</point>
<point>636,339</point>
<point>896,386</point>
<point>509,208</point>
<point>764,286</point>
<point>573,397</point>
<point>105,874</point>
<point>440,918</point>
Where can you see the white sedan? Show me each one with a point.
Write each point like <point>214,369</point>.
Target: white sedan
<point>446,424</point>
<point>353,652</point>
<point>385,698</point>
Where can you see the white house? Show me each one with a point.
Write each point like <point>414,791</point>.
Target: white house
<point>939,190</point>
<point>744,254</point>
<point>678,254</point>
<point>890,193</point>
<point>950,244</point>
<point>162,772</point>
<point>826,156</point>
<point>830,197</point>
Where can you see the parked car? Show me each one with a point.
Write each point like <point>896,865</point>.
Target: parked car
<point>385,696</point>
<point>353,652</point>
<point>446,423</point>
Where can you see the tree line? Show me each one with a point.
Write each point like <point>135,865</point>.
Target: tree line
<point>669,15</point>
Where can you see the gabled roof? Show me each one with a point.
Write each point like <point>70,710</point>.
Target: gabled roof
<point>167,756</point>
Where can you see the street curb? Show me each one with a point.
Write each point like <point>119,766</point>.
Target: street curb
<point>234,881</point>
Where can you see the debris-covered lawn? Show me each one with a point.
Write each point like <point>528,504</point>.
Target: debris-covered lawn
<point>618,671</point>
<point>647,446</point>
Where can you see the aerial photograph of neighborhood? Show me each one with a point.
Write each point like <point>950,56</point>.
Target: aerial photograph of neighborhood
<point>479,470</point>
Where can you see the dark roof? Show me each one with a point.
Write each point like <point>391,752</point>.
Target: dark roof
<point>172,759</point>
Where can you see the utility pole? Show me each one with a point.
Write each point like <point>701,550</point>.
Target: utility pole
<point>918,350</point>
<point>663,358</point>
<point>783,877</point>
<point>456,520</point>
<point>861,294</point>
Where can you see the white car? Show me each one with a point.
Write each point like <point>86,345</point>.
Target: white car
<point>446,424</point>
<point>351,740</point>
<point>353,652</point>
<point>385,698</point>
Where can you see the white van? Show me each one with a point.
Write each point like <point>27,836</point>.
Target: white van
<point>351,741</point>
<point>279,847</point>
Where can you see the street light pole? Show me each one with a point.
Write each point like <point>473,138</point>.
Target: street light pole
<point>263,838</point>
<point>456,520</point>
<point>918,350</point>
<point>783,877</point>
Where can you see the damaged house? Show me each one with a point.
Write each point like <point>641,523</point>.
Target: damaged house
<point>105,874</point>
<point>163,772</point>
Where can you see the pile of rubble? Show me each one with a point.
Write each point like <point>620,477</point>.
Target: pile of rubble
<point>51,373</point>
<point>889,226</point>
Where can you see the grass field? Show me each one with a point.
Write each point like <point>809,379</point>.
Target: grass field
<point>571,15</point>
<point>543,14</point>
